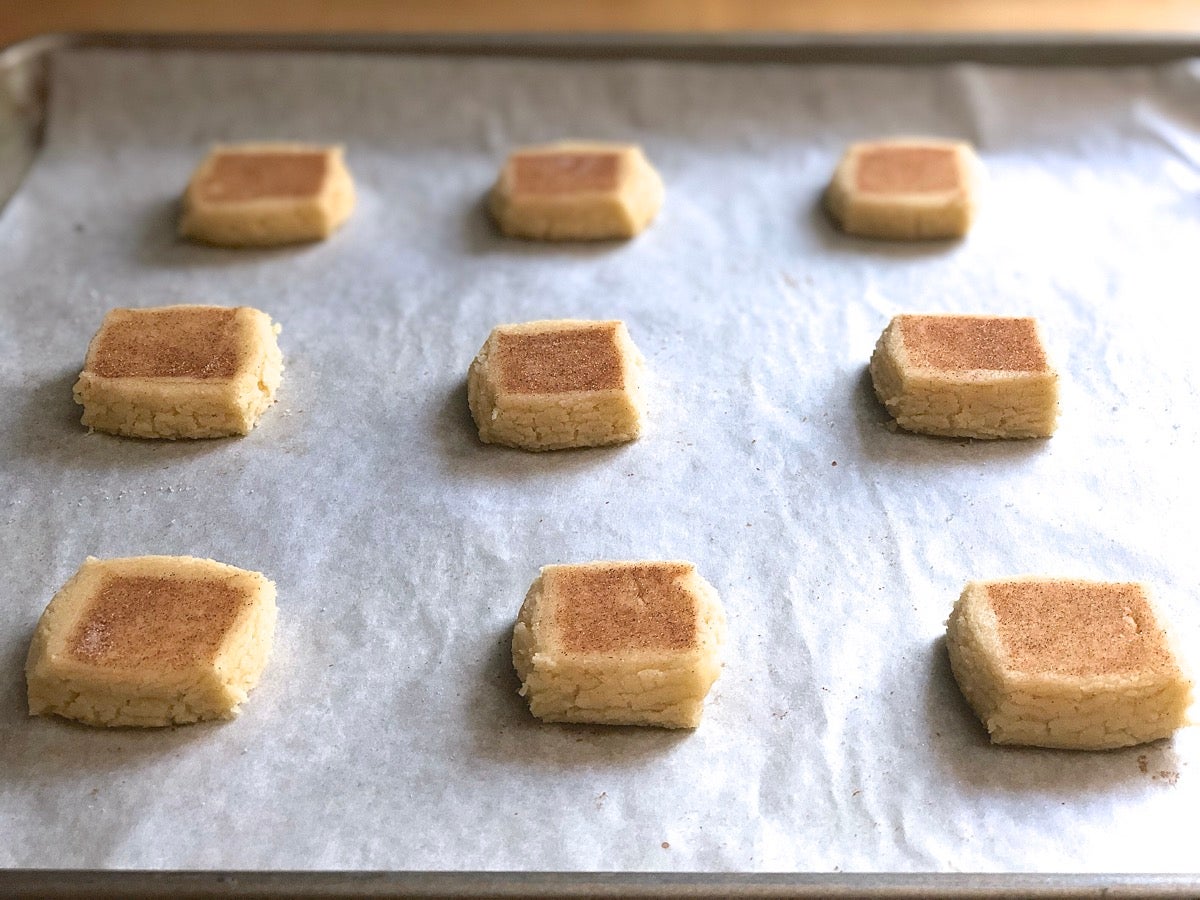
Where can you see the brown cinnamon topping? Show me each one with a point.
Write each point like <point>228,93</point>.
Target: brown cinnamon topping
<point>620,607</point>
<point>156,622</point>
<point>906,170</point>
<point>199,342</point>
<point>565,173</point>
<point>1078,628</point>
<point>972,342</point>
<point>237,176</point>
<point>566,359</point>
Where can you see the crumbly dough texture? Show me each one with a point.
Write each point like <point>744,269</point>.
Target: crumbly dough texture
<point>619,643</point>
<point>906,189</point>
<point>1066,663</point>
<point>966,376</point>
<point>557,383</point>
<point>576,191</point>
<point>180,372</point>
<point>151,641</point>
<point>264,195</point>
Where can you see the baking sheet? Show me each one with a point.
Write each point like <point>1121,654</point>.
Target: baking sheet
<point>387,733</point>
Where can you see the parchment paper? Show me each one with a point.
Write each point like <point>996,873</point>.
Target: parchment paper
<point>387,731</point>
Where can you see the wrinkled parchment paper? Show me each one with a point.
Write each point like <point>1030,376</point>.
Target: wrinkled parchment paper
<point>387,732</point>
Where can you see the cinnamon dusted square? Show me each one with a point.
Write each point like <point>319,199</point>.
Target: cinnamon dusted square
<point>151,641</point>
<point>180,372</point>
<point>905,189</point>
<point>576,191</point>
<point>267,194</point>
<point>619,643</point>
<point>1057,662</point>
<point>966,376</point>
<point>558,383</point>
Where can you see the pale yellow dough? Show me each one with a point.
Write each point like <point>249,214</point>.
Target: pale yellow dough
<point>906,189</point>
<point>966,376</point>
<point>151,641</point>
<point>248,195</point>
<point>1053,662</point>
<point>557,383</point>
<point>576,191</point>
<point>180,372</point>
<point>619,643</point>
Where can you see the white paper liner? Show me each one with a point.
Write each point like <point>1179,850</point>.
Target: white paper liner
<point>387,732</point>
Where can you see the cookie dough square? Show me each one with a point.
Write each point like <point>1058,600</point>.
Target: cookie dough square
<point>576,191</point>
<point>262,195</point>
<point>966,376</point>
<point>557,383</point>
<point>151,641</point>
<point>619,643</point>
<point>1055,662</point>
<point>906,189</point>
<point>180,372</point>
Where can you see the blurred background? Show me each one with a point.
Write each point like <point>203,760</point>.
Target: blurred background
<point>26,18</point>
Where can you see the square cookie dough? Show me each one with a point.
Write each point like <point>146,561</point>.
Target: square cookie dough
<point>262,195</point>
<point>557,383</point>
<point>576,191</point>
<point>966,376</point>
<point>619,643</point>
<point>151,641</point>
<point>1056,662</point>
<point>905,189</point>
<point>180,372</point>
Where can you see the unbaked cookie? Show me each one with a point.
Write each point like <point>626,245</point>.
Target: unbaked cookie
<point>1054,662</point>
<point>619,643</point>
<point>966,376</point>
<point>576,191</point>
<point>263,195</point>
<point>180,372</point>
<point>906,189</point>
<point>557,383</point>
<point>151,641</point>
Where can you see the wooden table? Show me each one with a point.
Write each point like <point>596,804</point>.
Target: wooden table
<point>26,18</point>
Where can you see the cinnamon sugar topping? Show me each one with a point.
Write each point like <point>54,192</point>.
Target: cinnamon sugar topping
<point>199,342</point>
<point>565,173</point>
<point>1078,628</point>
<point>622,607</point>
<point>237,176</point>
<point>159,622</point>
<point>560,360</point>
<point>906,170</point>
<point>972,342</point>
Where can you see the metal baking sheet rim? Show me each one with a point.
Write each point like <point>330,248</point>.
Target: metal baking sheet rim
<point>131,885</point>
<point>24,70</point>
<point>24,90</point>
<point>25,79</point>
